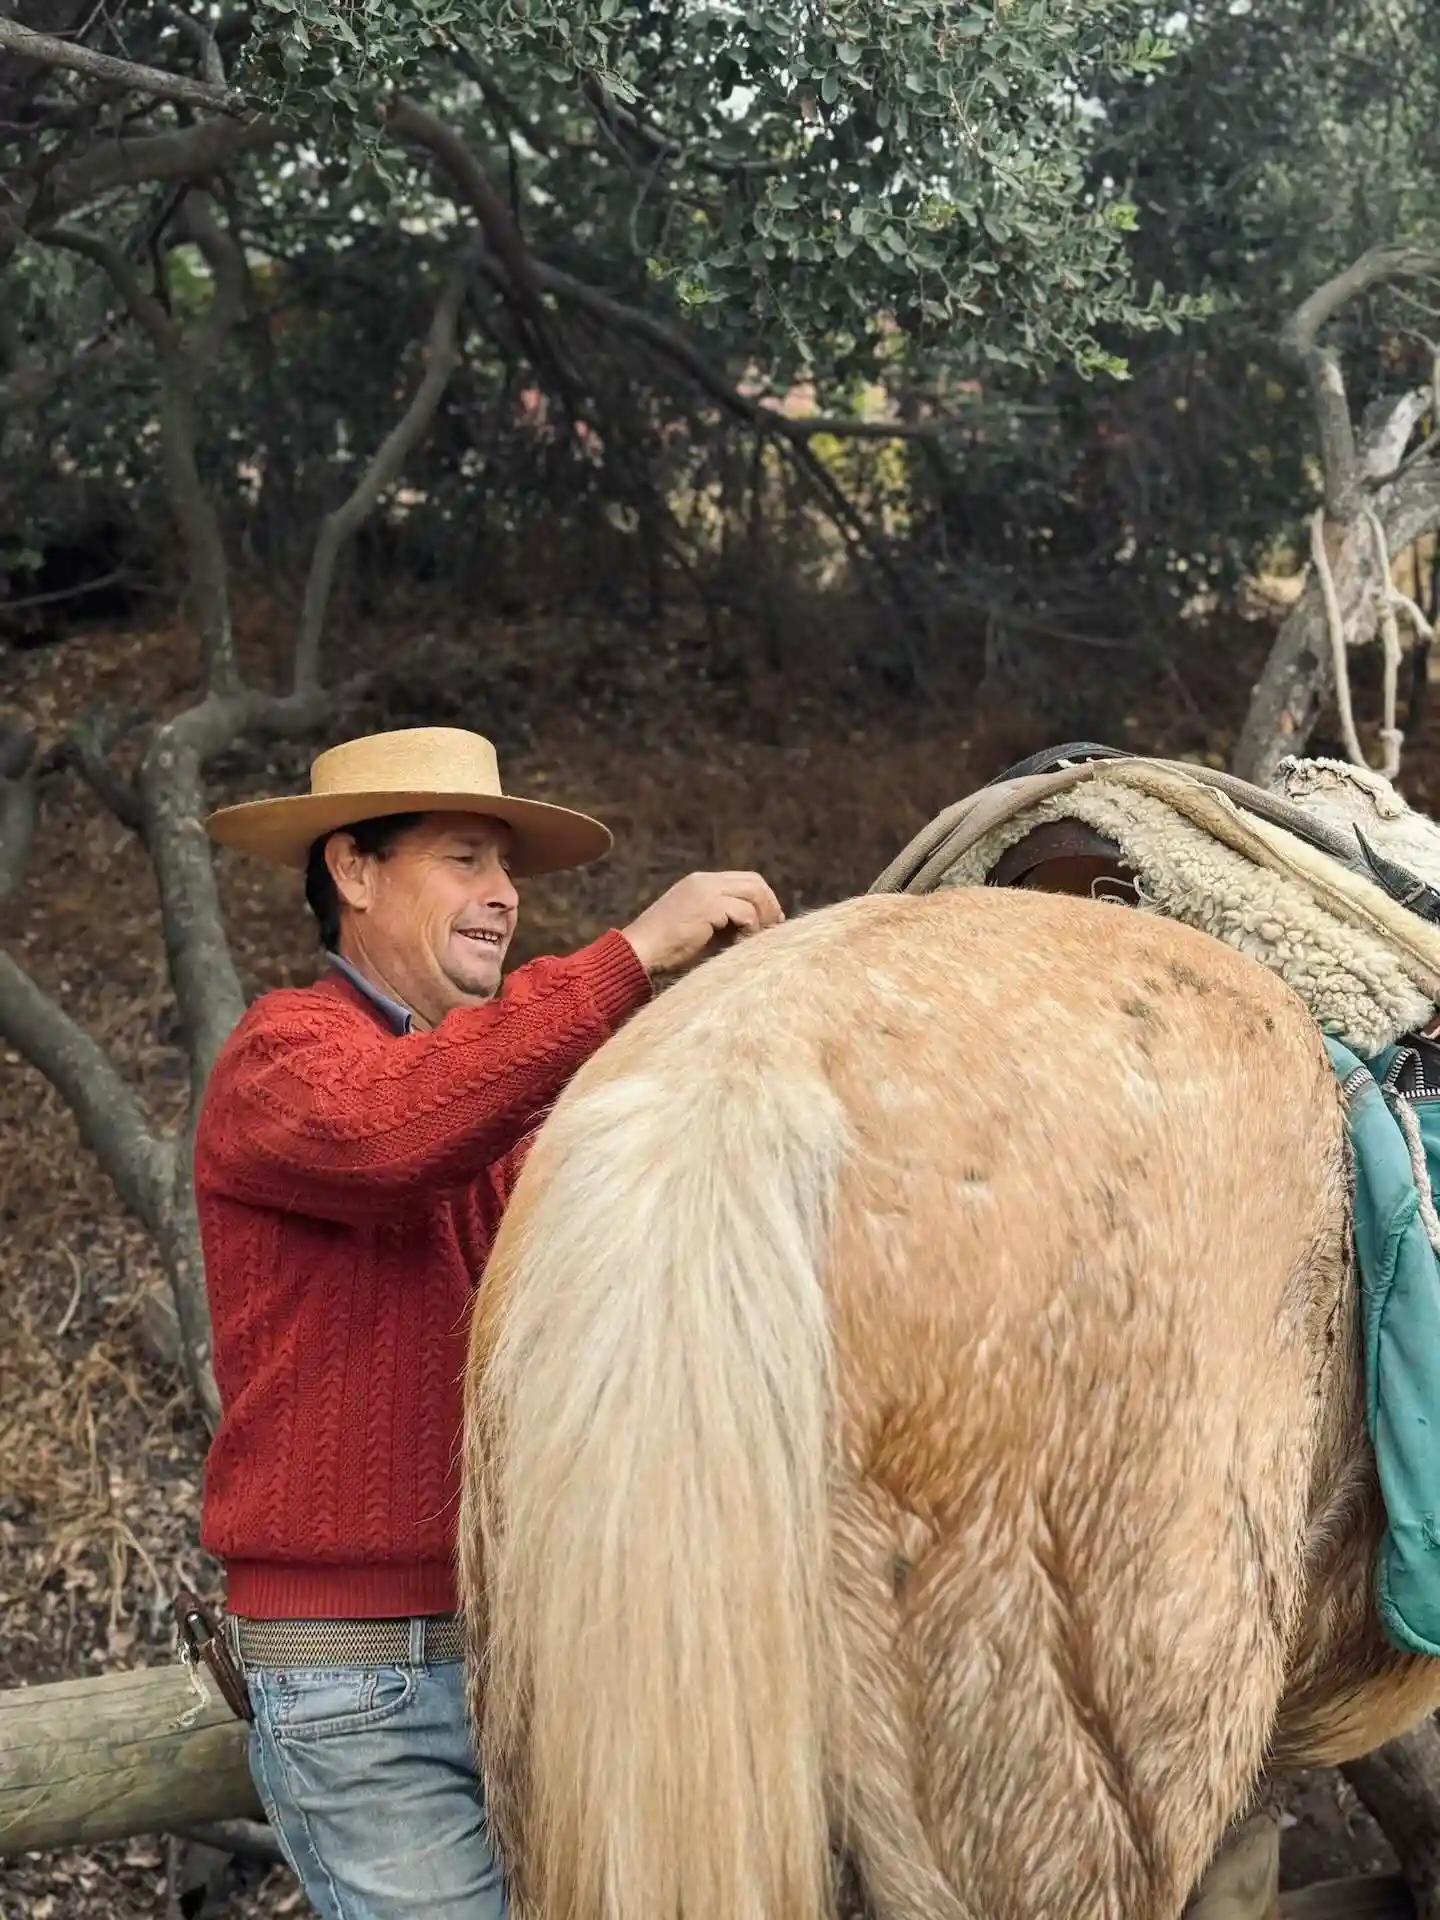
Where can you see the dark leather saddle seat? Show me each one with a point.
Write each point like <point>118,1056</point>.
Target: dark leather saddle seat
<point>1064,856</point>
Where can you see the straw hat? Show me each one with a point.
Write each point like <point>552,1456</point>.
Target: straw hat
<point>414,770</point>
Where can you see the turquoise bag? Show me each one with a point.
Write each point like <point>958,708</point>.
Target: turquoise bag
<point>1394,1123</point>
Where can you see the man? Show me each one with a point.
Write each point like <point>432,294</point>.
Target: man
<point>355,1148</point>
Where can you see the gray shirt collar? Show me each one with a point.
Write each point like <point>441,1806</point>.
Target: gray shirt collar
<point>399,1019</point>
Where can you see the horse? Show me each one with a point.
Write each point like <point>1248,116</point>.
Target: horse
<point>914,1418</point>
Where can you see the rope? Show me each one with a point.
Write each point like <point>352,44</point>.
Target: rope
<point>1391,737</point>
<point>1392,602</point>
<point>1335,627</point>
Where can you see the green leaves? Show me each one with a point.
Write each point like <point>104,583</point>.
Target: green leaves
<point>919,162</point>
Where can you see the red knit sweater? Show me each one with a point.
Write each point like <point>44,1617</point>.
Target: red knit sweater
<point>350,1182</point>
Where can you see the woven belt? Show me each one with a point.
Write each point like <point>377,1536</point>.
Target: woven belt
<point>343,1643</point>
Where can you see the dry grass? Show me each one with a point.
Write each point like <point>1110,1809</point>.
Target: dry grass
<point>102,1454</point>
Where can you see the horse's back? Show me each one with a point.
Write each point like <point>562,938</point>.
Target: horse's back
<point>1096,1156</point>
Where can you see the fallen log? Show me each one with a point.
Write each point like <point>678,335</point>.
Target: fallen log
<point>118,1755</point>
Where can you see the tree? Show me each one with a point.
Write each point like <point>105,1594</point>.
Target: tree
<point>874,187</point>
<point>1377,500</point>
<point>1280,142</point>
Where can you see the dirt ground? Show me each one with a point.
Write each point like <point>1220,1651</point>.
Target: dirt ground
<point>815,778</point>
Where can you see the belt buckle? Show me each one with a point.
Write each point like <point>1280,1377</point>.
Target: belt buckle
<point>200,1639</point>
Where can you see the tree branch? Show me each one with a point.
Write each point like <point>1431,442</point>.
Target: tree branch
<point>1385,433</point>
<point>204,43</point>
<point>664,146</point>
<point>47,51</point>
<point>110,1118</point>
<point>1300,339</point>
<point>172,794</point>
<point>441,354</point>
<point>183,366</point>
<point>87,748</point>
<point>499,102</point>
<point>407,120</point>
<point>142,307</point>
<point>225,258</point>
<point>675,347</point>
<point>18,772</point>
<point>190,153</point>
<point>795,433</point>
<point>111,1121</point>
<point>518,267</point>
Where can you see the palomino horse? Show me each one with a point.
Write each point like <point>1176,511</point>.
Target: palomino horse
<point>914,1408</point>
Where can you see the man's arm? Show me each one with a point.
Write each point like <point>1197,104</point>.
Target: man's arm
<point>300,1118</point>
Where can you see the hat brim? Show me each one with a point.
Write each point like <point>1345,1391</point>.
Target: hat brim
<point>544,839</point>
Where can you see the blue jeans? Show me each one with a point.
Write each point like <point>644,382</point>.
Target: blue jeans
<point>368,1778</point>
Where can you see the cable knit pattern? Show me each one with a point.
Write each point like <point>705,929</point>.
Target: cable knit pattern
<point>350,1182</point>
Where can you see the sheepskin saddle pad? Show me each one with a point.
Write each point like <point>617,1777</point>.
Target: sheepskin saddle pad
<point>1326,878</point>
<point>1331,880</point>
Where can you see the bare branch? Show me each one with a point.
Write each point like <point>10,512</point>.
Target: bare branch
<point>1385,433</point>
<point>663,146</point>
<point>795,433</point>
<point>1379,264</point>
<point>407,120</point>
<point>676,348</point>
<point>182,367</point>
<point>87,748</point>
<point>111,1121</point>
<point>506,112</point>
<point>204,42</point>
<point>412,122</point>
<point>172,793</point>
<point>441,354</point>
<point>73,58</point>
<point>143,307</point>
<point>226,259</point>
<point>1422,401</point>
<point>18,771</point>
<point>1301,340</point>
<point>22,602</point>
<point>184,1259</point>
<point>190,153</point>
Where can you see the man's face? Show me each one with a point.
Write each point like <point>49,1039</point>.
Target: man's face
<point>434,917</point>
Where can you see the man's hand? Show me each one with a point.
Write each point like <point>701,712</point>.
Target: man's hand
<point>700,913</point>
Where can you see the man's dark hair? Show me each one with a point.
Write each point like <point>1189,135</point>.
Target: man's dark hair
<point>370,836</point>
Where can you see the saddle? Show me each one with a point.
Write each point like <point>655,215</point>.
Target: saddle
<point>1329,877</point>
<point>1068,857</point>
